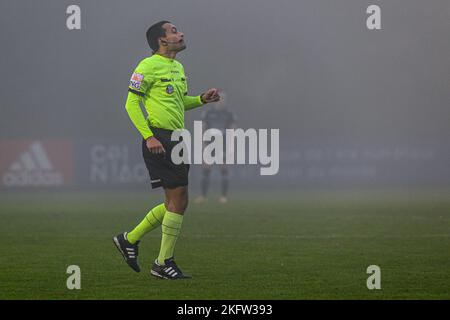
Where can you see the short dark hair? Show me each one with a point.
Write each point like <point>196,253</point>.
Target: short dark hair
<point>154,33</point>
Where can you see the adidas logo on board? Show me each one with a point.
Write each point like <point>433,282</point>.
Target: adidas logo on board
<point>33,168</point>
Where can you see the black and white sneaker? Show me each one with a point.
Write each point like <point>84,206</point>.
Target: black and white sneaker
<point>129,251</point>
<point>168,271</point>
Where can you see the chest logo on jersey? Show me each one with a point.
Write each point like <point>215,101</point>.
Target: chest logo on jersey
<point>169,89</point>
<point>136,80</point>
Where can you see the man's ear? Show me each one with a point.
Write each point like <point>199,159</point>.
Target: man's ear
<point>163,42</point>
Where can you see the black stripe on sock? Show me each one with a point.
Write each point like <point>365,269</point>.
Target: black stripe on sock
<point>151,211</point>
<point>149,220</point>
<point>168,234</point>
<point>171,227</point>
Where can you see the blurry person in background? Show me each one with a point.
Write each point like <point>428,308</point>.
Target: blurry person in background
<point>221,118</point>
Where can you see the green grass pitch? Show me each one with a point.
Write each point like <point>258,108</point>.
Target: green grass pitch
<point>293,245</point>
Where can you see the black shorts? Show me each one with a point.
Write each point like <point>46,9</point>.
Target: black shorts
<point>163,172</point>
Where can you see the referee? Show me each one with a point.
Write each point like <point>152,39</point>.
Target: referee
<point>160,84</point>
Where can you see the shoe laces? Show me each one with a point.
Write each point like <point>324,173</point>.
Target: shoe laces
<point>171,263</point>
<point>134,247</point>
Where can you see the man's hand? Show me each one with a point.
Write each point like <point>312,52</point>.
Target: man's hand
<point>212,95</point>
<point>154,145</point>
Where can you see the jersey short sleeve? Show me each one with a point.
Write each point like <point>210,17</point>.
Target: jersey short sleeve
<point>142,78</point>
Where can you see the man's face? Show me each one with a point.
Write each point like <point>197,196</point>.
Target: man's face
<point>174,38</point>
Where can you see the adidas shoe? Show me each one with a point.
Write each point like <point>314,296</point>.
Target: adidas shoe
<point>168,271</point>
<point>129,251</point>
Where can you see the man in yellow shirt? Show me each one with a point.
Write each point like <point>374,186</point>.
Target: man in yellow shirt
<point>159,82</point>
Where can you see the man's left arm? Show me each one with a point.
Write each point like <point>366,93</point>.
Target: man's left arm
<point>192,102</point>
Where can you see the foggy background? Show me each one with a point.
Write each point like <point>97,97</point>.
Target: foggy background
<point>355,107</point>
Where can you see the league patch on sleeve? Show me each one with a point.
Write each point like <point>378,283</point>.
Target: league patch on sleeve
<point>136,80</point>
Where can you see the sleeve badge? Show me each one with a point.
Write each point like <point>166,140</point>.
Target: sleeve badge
<point>136,80</point>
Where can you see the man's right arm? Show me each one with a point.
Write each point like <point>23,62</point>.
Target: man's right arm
<point>141,81</point>
<point>135,113</point>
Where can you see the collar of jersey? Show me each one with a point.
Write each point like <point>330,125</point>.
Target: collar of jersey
<point>163,58</point>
